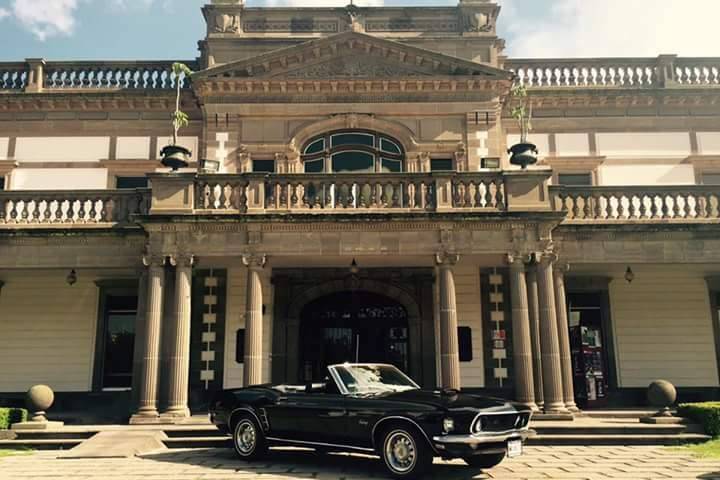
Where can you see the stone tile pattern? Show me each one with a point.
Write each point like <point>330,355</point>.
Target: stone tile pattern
<point>576,463</point>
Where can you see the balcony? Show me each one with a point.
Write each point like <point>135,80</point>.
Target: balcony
<point>404,194</point>
<point>64,209</point>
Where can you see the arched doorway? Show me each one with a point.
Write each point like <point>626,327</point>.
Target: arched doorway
<point>353,326</point>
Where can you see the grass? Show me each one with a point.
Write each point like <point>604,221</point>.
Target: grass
<point>21,451</point>
<point>709,449</point>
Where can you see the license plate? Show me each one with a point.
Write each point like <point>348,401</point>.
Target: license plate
<point>514,448</point>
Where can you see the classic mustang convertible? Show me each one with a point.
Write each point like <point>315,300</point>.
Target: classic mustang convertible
<point>373,409</point>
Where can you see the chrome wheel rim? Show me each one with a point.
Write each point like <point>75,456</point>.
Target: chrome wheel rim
<point>400,451</point>
<point>245,437</point>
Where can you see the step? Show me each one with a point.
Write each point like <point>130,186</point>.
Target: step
<point>634,413</point>
<point>54,434</point>
<point>209,431</point>
<point>198,442</point>
<point>625,429</point>
<point>40,444</point>
<point>617,440</point>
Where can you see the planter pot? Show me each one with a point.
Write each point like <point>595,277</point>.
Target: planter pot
<point>523,154</point>
<point>175,156</point>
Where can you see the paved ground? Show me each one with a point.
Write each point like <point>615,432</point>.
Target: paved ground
<point>589,463</point>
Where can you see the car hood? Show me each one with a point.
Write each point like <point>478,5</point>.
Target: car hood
<point>451,400</point>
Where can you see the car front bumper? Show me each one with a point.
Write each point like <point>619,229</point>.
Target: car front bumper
<point>467,445</point>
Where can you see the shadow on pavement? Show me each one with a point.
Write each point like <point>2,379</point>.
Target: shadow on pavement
<point>298,463</point>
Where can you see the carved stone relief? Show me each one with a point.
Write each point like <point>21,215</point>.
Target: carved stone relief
<point>476,22</point>
<point>227,23</point>
<point>353,67</point>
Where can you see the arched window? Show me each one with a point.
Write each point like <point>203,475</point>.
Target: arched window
<point>357,151</point>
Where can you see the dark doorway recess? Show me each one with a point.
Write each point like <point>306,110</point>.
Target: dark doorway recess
<point>352,326</point>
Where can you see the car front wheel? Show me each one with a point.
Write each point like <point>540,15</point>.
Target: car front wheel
<point>485,461</point>
<point>405,453</point>
<point>249,439</point>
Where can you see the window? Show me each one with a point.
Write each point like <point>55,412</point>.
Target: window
<point>490,163</point>
<point>131,182</point>
<point>575,179</point>
<point>240,346</point>
<point>441,165</point>
<point>266,166</point>
<point>353,151</point>
<point>118,341</point>
<point>2,183</point>
<point>465,344</point>
<point>711,178</point>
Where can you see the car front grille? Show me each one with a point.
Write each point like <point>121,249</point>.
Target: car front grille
<point>500,422</point>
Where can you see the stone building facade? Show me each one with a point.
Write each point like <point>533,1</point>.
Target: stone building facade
<point>353,201</point>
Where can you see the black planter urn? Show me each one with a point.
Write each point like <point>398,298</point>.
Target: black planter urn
<point>523,154</point>
<point>175,156</point>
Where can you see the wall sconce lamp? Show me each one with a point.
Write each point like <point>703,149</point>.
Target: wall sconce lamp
<point>629,275</point>
<point>71,279</point>
<point>354,269</point>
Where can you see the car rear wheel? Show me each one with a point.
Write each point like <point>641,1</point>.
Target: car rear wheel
<point>249,439</point>
<point>405,453</point>
<point>485,461</point>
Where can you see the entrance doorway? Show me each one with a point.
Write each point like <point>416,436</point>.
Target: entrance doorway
<point>352,326</point>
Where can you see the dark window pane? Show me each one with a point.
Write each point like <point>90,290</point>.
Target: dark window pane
<point>315,166</point>
<point>389,146</point>
<point>389,165</point>
<point>441,165</point>
<point>267,166</point>
<point>465,344</point>
<point>352,139</point>
<point>711,178</point>
<point>132,182</point>
<point>316,146</point>
<point>120,313</point>
<point>240,346</point>
<point>2,183</point>
<point>353,162</point>
<point>490,163</point>
<point>580,179</point>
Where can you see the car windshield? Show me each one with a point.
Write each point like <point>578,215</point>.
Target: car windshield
<point>369,379</point>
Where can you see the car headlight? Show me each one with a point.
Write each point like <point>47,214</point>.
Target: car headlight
<point>448,425</point>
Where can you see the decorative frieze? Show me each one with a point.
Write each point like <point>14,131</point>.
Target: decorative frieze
<point>290,26</point>
<point>412,25</point>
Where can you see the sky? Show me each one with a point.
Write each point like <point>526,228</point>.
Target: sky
<point>170,29</point>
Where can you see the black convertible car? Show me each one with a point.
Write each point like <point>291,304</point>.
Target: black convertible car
<point>373,409</point>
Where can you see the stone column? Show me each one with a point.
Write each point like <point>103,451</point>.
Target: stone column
<point>564,338</point>
<point>147,388</point>
<point>138,351</point>
<point>449,350</point>
<point>179,337</point>
<point>252,368</point>
<point>549,344</point>
<point>522,346</point>
<point>534,311</point>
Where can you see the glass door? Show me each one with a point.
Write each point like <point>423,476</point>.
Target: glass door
<point>588,349</point>
<point>119,342</point>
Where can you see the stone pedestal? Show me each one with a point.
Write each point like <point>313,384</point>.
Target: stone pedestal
<point>449,349</point>
<point>34,426</point>
<point>179,348</point>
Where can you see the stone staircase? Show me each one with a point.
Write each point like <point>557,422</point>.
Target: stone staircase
<point>592,428</point>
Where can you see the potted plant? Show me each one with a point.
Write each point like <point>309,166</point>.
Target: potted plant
<point>523,153</point>
<point>174,155</point>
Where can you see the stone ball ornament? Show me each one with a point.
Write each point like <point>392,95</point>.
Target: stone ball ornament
<point>38,399</point>
<point>662,394</point>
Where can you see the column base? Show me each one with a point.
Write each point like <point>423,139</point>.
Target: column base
<point>175,414</point>
<point>573,408</point>
<point>144,419</point>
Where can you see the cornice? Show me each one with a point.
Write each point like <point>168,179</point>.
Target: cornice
<point>89,100</point>
<point>564,97</point>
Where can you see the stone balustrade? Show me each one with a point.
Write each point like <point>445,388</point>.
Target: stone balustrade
<point>660,72</point>
<point>654,204</point>
<point>24,208</point>
<point>349,192</point>
<point>36,75</point>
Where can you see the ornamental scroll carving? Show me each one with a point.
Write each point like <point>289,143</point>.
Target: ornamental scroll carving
<point>476,22</point>
<point>227,23</point>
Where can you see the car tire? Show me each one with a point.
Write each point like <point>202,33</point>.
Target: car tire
<point>405,452</point>
<point>485,461</point>
<point>248,439</point>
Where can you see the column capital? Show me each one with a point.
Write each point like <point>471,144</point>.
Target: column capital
<point>518,260</point>
<point>182,259</point>
<point>561,268</point>
<point>255,261</point>
<point>153,260</point>
<point>547,257</point>
<point>446,258</point>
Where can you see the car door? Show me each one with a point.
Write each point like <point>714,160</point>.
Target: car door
<point>309,417</point>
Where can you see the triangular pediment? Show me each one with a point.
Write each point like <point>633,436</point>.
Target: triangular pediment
<point>352,55</point>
